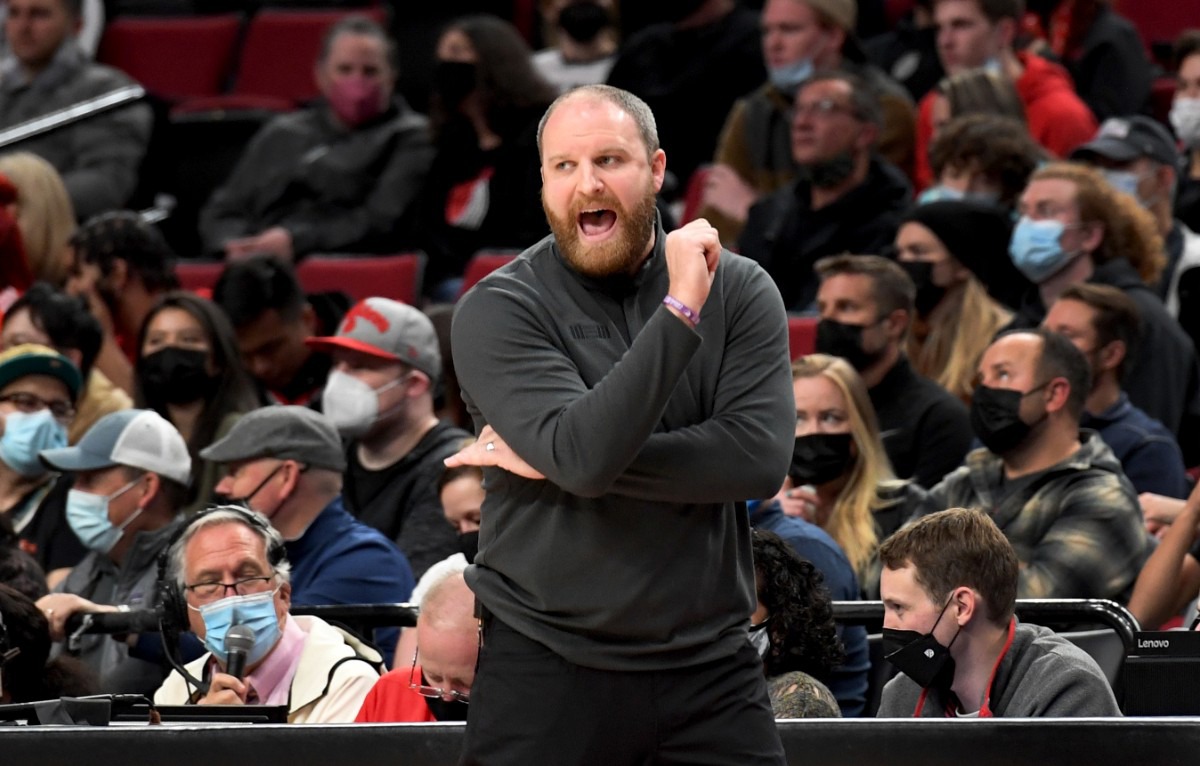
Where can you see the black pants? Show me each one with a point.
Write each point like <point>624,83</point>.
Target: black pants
<point>530,707</point>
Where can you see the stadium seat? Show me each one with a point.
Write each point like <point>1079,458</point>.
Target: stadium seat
<point>693,196</point>
<point>281,48</point>
<point>364,276</point>
<point>174,58</point>
<point>198,276</point>
<point>1160,21</point>
<point>483,263</point>
<point>802,335</point>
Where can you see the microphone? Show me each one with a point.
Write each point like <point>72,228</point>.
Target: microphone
<point>238,643</point>
<point>133,621</point>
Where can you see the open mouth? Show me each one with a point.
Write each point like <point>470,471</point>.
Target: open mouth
<point>598,223</point>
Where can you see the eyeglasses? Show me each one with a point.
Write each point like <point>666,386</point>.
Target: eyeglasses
<point>28,403</point>
<point>822,107</point>
<point>242,587</point>
<point>434,692</point>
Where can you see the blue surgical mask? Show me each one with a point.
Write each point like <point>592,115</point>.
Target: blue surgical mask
<point>1123,181</point>
<point>87,514</point>
<point>25,435</point>
<point>789,77</point>
<point>939,193</point>
<point>1036,249</point>
<point>256,611</point>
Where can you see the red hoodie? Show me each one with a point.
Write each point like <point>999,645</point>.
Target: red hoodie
<point>1058,119</point>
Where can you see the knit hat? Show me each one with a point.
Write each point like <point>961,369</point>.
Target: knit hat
<point>976,234</point>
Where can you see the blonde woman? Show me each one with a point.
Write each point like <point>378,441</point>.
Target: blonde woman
<point>840,478</point>
<point>44,215</point>
<point>956,319</point>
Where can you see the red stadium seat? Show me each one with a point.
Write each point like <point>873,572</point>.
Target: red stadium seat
<point>483,263</point>
<point>198,276</point>
<point>802,335</point>
<point>174,58</point>
<point>364,276</point>
<point>281,48</point>
<point>1160,21</point>
<point>693,196</point>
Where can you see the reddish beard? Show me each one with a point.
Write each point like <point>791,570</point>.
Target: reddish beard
<point>617,255</point>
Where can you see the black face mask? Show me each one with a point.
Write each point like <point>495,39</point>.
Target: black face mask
<point>447,711</point>
<point>176,375</point>
<point>845,340</point>
<point>453,81</point>
<point>996,418</point>
<point>583,21</point>
<point>929,295</point>
<point>821,458</point>
<point>468,544</point>
<point>826,174</point>
<point>919,655</point>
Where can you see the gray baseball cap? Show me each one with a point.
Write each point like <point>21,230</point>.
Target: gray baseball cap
<point>135,438</point>
<point>387,329</point>
<point>284,432</point>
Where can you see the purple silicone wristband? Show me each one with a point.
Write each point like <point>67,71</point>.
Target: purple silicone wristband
<point>678,305</point>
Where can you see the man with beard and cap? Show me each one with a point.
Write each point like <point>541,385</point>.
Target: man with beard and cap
<point>846,198</point>
<point>1054,490</point>
<point>866,307</point>
<point>949,591</point>
<point>1103,323</point>
<point>630,388</point>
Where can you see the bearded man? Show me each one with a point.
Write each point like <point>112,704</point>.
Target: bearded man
<point>629,387</point>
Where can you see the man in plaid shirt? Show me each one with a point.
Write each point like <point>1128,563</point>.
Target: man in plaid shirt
<point>1056,491</point>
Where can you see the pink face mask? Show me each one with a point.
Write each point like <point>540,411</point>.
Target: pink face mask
<point>355,100</point>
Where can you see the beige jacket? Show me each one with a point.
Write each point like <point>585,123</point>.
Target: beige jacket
<point>324,690</point>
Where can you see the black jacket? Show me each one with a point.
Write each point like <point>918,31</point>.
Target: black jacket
<point>334,190</point>
<point>402,502</point>
<point>1111,72</point>
<point>787,237</point>
<point>1162,378</point>
<point>925,430</point>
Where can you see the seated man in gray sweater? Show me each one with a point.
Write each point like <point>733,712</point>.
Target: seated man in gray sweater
<point>949,589</point>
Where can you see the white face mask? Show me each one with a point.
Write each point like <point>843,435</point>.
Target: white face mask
<point>1185,118</point>
<point>352,405</point>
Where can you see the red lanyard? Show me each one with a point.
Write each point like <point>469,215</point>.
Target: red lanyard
<point>985,711</point>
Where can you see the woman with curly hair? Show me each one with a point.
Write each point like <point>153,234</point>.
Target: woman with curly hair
<point>1074,228</point>
<point>793,629</point>
<point>483,189</point>
<point>840,478</point>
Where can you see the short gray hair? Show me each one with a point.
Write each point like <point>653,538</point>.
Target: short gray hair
<point>228,514</point>
<point>864,100</point>
<point>622,99</point>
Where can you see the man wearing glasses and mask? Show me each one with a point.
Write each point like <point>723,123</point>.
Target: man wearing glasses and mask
<point>846,198</point>
<point>228,568</point>
<point>38,387</point>
<point>949,589</point>
<point>437,685</point>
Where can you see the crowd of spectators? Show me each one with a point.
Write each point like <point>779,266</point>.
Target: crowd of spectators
<point>980,212</point>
